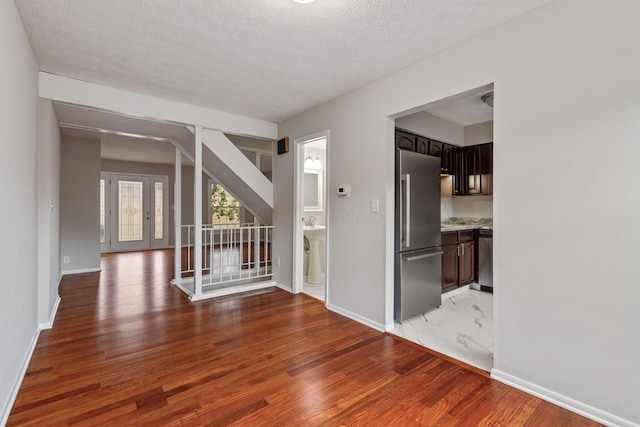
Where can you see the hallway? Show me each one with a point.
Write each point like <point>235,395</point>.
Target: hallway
<point>126,348</point>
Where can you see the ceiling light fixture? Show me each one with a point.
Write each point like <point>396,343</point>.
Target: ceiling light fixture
<point>308,162</point>
<point>487,98</point>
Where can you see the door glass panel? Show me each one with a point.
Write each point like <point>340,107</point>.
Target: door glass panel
<point>159,217</point>
<point>103,237</point>
<point>130,219</point>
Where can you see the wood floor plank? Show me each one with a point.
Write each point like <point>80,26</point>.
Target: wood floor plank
<point>127,348</point>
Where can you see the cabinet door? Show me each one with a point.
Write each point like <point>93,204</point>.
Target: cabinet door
<point>472,169</point>
<point>449,267</point>
<point>446,164</point>
<point>486,168</point>
<point>405,141</point>
<point>422,145</point>
<point>435,148</point>
<point>467,261</point>
<point>459,178</point>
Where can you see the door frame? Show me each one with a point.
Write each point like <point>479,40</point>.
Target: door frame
<point>298,212</point>
<point>111,217</point>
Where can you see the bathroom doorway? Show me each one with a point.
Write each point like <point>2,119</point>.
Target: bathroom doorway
<point>311,213</point>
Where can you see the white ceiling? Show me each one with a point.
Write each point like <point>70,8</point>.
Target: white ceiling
<point>268,59</point>
<point>464,111</point>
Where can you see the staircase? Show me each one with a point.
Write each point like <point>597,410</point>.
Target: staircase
<point>225,163</point>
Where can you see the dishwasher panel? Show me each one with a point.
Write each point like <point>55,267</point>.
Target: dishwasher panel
<point>485,260</point>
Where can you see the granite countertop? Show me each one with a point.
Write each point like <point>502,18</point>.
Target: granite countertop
<point>457,224</point>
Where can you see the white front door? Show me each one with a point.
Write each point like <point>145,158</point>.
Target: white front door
<point>138,217</point>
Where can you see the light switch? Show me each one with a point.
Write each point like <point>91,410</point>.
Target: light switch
<point>375,205</point>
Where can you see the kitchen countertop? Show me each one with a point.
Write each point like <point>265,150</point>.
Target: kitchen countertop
<point>457,224</point>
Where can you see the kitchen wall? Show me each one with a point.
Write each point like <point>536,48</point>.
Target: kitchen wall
<point>48,210</point>
<point>18,192</point>
<point>559,95</point>
<point>478,133</point>
<point>425,124</point>
<point>79,204</point>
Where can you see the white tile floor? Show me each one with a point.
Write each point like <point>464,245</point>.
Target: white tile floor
<point>462,328</point>
<point>316,291</point>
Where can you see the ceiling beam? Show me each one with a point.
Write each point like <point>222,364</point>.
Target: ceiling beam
<point>77,92</point>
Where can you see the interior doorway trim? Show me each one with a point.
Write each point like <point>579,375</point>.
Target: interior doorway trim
<point>152,236</point>
<point>298,211</point>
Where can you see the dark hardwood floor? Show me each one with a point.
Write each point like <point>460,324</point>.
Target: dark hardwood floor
<point>128,349</point>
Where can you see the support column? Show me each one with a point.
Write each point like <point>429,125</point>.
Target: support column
<point>256,223</point>
<point>177,216</point>
<point>197,213</point>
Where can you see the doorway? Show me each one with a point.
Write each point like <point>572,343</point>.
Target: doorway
<point>458,130</point>
<point>311,227</point>
<point>133,212</point>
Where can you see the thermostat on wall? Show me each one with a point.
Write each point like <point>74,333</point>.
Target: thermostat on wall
<point>344,190</point>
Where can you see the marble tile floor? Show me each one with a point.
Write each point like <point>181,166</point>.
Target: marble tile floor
<point>462,328</point>
<point>315,290</point>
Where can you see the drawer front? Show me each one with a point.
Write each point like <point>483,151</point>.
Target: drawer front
<point>449,238</point>
<point>466,235</point>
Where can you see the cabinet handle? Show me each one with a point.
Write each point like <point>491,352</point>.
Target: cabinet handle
<point>462,250</point>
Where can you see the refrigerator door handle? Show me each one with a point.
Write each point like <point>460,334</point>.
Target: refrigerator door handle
<point>405,224</point>
<point>417,257</point>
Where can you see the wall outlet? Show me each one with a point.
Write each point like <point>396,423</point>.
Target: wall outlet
<point>66,260</point>
<point>278,262</point>
<point>375,205</point>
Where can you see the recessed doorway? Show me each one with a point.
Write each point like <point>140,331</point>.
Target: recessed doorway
<point>311,212</point>
<point>133,212</point>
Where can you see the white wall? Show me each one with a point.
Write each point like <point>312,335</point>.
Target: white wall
<point>566,284</point>
<point>425,124</point>
<point>19,224</point>
<point>478,133</point>
<point>79,204</point>
<point>48,210</point>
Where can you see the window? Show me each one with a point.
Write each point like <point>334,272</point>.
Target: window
<point>225,209</point>
<point>159,217</point>
<point>130,218</point>
<point>103,234</point>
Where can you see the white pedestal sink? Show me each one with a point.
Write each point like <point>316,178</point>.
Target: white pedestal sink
<point>315,234</point>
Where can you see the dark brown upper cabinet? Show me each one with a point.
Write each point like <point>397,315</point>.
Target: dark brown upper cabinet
<point>446,164</point>
<point>435,148</point>
<point>471,167</point>
<point>473,170</point>
<point>405,141</point>
<point>422,145</point>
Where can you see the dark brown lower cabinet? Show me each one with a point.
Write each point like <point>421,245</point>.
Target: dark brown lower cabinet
<point>466,263</point>
<point>449,268</point>
<point>458,259</point>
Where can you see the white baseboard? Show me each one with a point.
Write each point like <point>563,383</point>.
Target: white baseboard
<point>360,319</point>
<point>563,401</point>
<point>284,287</point>
<point>233,290</point>
<point>52,317</point>
<point>80,271</point>
<point>18,381</point>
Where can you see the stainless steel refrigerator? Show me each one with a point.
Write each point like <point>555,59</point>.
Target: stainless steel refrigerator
<point>418,256</point>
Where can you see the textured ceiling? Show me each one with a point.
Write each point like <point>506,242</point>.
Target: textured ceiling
<point>268,59</point>
<point>464,111</point>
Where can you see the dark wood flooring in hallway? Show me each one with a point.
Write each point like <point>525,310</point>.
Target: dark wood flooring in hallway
<point>128,349</point>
